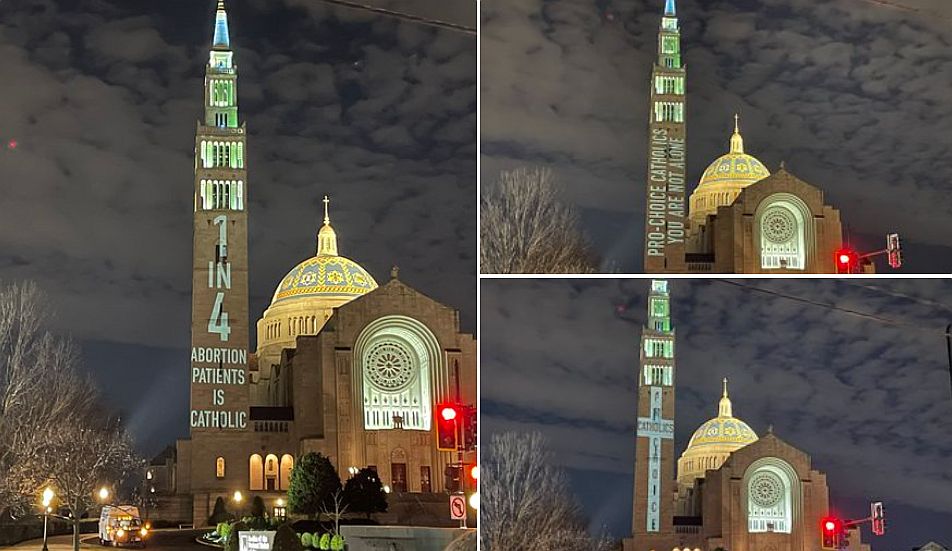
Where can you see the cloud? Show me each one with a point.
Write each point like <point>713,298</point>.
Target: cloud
<point>849,94</point>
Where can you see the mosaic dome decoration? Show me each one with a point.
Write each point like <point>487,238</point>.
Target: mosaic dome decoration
<point>325,275</point>
<point>723,430</point>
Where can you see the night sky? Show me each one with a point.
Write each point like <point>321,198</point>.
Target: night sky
<point>869,401</point>
<point>852,94</point>
<point>101,98</point>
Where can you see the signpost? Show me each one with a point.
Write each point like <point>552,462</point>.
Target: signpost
<point>457,507</point>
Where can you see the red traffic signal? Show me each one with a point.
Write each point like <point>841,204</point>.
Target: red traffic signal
<point>846,260</point>
<point>447,429</point>
<point>830,529</point>
<point>473,472</point>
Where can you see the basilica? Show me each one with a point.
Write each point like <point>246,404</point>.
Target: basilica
<point>740,218</point>
<point>730,488</point>
<point>344,365</point>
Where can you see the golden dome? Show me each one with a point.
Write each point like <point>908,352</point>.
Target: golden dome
<point>326,274</point>
<point>725,178</point>
<point>713,442</point>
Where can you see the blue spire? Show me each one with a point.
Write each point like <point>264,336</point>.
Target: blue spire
<point>221,27</point>
<point>669,8</point>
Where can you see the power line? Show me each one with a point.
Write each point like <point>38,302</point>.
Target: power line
<point>403,16</point>
<point>947,334</point>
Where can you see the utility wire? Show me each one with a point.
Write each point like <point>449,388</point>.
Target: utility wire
<point>403,16</point>
<point>873,317</point>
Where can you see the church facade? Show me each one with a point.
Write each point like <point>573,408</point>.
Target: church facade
<point>730,490</point>
<point>344,366</point>
<point>740,218</point>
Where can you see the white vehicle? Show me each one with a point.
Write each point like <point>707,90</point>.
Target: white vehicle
<point>121,525</point>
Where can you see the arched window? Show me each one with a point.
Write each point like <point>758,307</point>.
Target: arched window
<point>255,473</point>
<point>271,472</point>
<point>287,463</point>
<point>398,358</point>
<point>771,489</point>
<point>220,467</point>
<point>784,228</point>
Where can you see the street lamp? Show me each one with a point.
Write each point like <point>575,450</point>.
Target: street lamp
<point>237,497</point>
<point>103,494</point>
<point>386,489</point>
<point>48,496</point>
<point>474,501</point>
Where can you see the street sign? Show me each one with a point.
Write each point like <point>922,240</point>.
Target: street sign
<point>458,507</point>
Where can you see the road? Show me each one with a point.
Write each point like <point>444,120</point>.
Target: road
<point>159,540</point>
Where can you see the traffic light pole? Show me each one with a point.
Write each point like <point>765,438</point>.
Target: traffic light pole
<point>459,442</point>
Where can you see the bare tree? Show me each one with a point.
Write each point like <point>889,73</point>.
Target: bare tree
<point>526,228</point>
<point>524,503</point>
<point>81,456</point>
<point>338,511</point>
<point>39,390</point>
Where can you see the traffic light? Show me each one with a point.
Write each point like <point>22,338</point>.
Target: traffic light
<point>847,261</point>
<point>472,474</point>
<point>447,417</point>
<point>894,251</point>
<point>878,516</point>
<point>469,429</point>
<point>451,478</point>
<point>830,528</point>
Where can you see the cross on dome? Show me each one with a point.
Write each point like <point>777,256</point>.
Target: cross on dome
<point>737,142</point>
<point>724,408</point>
<point>327,237</point>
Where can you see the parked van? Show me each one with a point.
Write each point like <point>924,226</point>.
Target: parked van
<point>121,525</point>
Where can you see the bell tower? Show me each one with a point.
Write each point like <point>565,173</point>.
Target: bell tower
<point>665,210</point>
<point>653,511</point>
<point>219,353</point>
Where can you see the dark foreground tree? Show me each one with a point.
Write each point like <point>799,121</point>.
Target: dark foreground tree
<point>314,481</point>
<point>78,456</point>
<point>257,507</point>
<point>364,493</point>
<point>40,390</point>
<point>219,512</point>
<point>526,228</point>
<point>524,501</point>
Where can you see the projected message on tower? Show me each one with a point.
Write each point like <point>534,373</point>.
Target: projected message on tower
<point>666,175</point>
<point>221,368</point>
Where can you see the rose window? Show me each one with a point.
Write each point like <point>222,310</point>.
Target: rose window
<point>766,490</point>
<point>778,225</point>
<point>389,366</point>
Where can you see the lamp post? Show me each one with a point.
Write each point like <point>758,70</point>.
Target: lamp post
<point>48,496</point>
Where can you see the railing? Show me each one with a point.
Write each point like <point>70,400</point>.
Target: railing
<point>272,426</point>
<point>687,529</point>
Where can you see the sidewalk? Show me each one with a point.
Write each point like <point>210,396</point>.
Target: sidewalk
<point>56,543</point>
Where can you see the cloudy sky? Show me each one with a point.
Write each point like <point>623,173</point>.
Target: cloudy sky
<point>852,94</point>
<point>101,98</point>
<point>870,401</point>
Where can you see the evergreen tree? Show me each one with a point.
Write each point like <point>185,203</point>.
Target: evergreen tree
<point>364,493</point>
<point>257,507</point>
<point>285,539</point>
<point>219,513</point>
<point>314,480</point>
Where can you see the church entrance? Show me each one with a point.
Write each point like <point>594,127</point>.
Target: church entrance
<point>398,477</point>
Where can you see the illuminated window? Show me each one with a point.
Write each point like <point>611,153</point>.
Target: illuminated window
<point>782,233</point>
<point>220,467</point>
<point>287,463</point>
<point>769,497</point>
<point>658,375</point>
<point>669,44</point>
<point>255,473</point>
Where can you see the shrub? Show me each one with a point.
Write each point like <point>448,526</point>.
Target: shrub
<point>306,539</point>
<point>286,539</point>
<point>337,543</point>
<point>231,543</point>
<point>325,543</point>
<point>224,529</point>
<point>314,481</point>
<point>363,493</point>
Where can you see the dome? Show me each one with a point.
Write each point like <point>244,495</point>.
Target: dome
<point>325,274</point>
<point>713,442</point>
<point>725,178</point>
